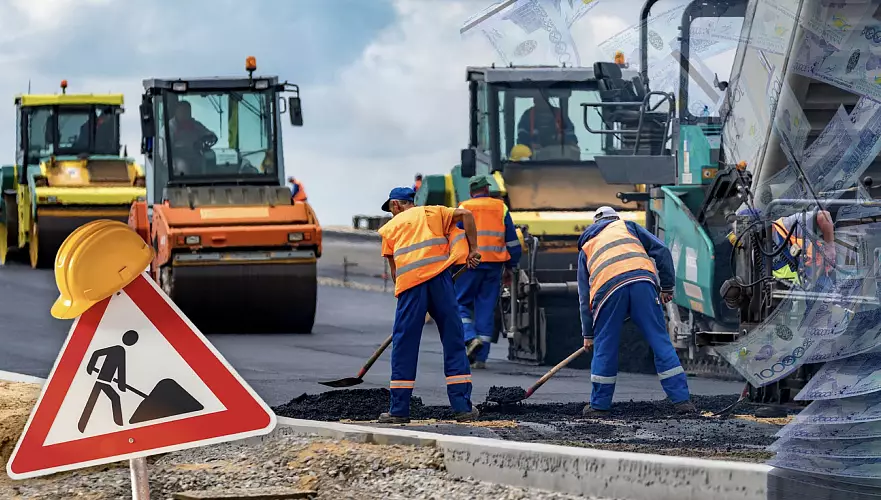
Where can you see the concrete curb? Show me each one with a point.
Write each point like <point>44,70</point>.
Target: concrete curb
<point>578,471</point>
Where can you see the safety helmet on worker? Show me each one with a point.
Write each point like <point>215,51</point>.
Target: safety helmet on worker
<point>95,261</point>
<point>520,152</point>
<point>605,213</point>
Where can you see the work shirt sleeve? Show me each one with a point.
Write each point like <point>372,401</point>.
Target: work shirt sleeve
<point>512,242</point>
<point>387,249</point>
<point>584,297</point>
<point>446,214</point>
<point>656,249</point>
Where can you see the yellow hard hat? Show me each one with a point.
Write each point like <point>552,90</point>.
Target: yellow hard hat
<point>520,152</point>
<point>95,261</point>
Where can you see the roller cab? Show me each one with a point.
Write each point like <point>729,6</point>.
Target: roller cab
<point>69,171</point>
<point>233,250</point>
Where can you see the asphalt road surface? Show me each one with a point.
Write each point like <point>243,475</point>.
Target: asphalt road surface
<point>349,327</point>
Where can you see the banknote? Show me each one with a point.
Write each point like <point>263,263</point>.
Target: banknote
<point>829,448</point>
<point>790,121</point>
<point>863,334</point>
<point>855,68</point>
<point>662,27</point>
<point>840,411</point>
<point>772,27</point>
<point>573,10</point>
<point>867,430</point>
<point>526,32</point>
<point>771,351</point>
<point>859,211</point>
<point>842,467</point>
<point>854,376</point>
<point>835,22</point>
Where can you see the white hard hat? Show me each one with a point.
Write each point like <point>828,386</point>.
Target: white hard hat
<point>604,213</point>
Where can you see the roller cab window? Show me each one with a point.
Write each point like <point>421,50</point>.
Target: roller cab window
<point>72,130</point>
<point>220,135</point>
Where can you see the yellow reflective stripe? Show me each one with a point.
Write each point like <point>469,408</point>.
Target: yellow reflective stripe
<point>786,273</point>
<point>422,244</point>
<point>608,246</point>
<point>402,384</point>
<point>422,263</point>
<point>598,273</point>
<point>459,379</point>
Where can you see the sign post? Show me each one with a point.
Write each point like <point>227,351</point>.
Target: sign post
<point>134,377</point>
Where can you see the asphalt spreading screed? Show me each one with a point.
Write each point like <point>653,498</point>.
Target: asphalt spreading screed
<point>639,426</point>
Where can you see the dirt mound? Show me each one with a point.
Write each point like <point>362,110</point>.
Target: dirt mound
<point>16,401</point>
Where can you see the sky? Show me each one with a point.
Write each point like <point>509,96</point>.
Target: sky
<point>382,81</point>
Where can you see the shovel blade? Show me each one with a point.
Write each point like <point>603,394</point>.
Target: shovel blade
<point>343,382</point>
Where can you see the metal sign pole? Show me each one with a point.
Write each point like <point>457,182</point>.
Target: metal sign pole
<point>140,479</point>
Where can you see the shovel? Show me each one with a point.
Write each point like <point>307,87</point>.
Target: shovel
<point>167,399</point>
<point>512,398</point>
<point>358,379</point>
<point>730,408</point>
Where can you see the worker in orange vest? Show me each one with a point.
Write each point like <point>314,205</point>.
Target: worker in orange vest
<point>478,291</point>
<point>418,183</point>
<point>298,192</point>
<point>416,242</point>
<point>624,270</point>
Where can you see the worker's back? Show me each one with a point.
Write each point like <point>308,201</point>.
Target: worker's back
<point>613,251</point>
<point>489,217</point>
<point>418,240</point>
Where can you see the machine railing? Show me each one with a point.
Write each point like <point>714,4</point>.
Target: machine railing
<point>643,107</point>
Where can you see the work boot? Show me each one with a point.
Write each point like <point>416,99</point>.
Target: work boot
<point>467,416</point>
<point>388,418</point>
<point>685,408</point>
<point>471,348</point>
<point>479,365</point>
<point>589,412</point>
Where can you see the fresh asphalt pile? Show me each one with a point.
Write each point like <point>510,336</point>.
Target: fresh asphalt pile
<point>640,426</point>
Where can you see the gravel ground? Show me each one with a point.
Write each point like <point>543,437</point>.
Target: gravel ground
<point>335,470</point>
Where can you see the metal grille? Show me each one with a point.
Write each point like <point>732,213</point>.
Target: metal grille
<point>108,171</point>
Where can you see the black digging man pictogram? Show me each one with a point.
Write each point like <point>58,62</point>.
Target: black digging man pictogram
<point>112,370</point>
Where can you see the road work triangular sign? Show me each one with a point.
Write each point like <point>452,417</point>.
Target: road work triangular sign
<point>135,378</point>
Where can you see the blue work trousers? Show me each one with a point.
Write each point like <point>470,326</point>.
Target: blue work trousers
<point>477,291</point>
<point>640,301</point>
<point>437,297</point>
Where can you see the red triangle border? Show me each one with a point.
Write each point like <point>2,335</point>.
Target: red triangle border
<point>246,415</point>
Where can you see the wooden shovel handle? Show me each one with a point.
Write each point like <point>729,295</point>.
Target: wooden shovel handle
<point>375,356</point>
<point>553,371</point>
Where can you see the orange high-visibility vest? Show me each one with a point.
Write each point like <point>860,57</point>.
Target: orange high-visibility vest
<point>417,184</point>
<point>612,252</point>
<point>420,245</point>
<point>489,217</point>
<point>812,258</point>
<point>301,192</point>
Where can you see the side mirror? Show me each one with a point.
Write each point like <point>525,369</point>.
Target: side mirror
<point>469,163</point>
<point>148,125</point>
<point>295,111</point>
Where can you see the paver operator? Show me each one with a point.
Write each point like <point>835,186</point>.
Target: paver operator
<point>478,291</point>
<point>416,242</point>
<point>616,279</point>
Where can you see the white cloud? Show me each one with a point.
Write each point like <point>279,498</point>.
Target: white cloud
<point>402,107</point>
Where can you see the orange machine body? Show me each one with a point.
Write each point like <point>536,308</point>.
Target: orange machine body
<point>243,228</point>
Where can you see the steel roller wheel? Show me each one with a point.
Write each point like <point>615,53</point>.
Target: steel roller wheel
<point>41,256</point>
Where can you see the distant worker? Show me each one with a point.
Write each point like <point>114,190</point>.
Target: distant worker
<point>418,183</point>
<point>544,125</point>
<point>416,242</point>
<point>298,192</point>
<point>817,255</point>
<point>616,279</point>
<point>478,290</point>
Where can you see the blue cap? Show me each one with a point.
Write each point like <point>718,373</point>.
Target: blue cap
<point>400,194</point>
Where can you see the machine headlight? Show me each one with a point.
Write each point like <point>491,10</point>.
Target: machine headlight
<point>192,240</point>
<point>261,84</point>
<point>179,86</point>
<point>140,181</point>
<point>295,236</point>
<point>52,199</point>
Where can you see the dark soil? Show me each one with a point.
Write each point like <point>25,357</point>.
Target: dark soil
<point>505,394</point>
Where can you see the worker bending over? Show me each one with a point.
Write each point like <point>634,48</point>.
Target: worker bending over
<point>478,290</point>
<point>416,242</point>
<point>298,192</point>
<point>616,279</point>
